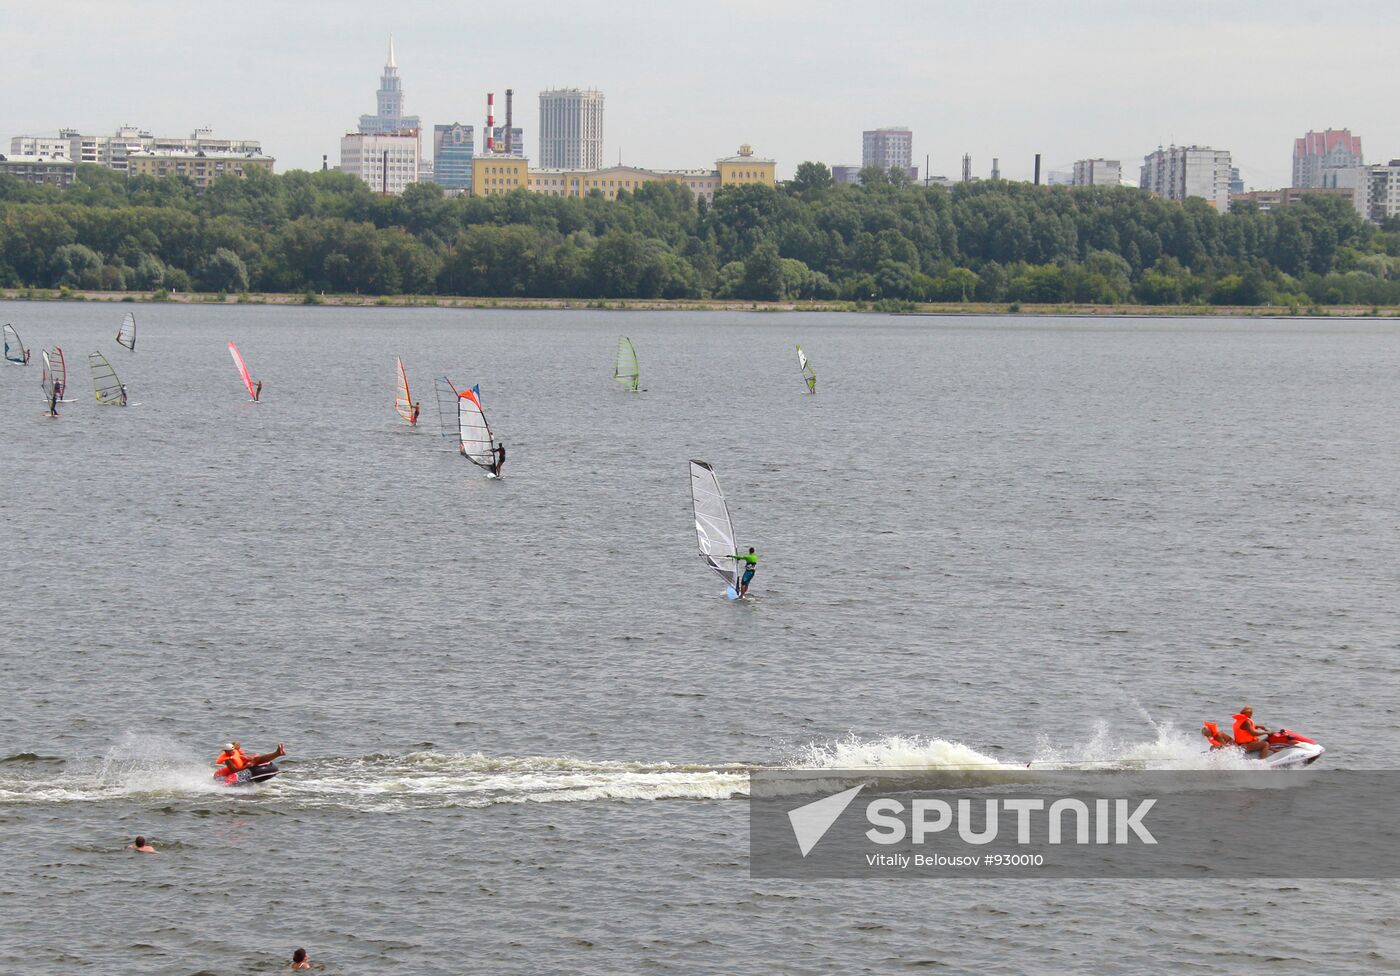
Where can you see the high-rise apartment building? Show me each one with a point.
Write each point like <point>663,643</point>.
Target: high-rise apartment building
<point>387,162</point>
<point>889,148</point>
<point>453,148</point>
<point>1318,157</point>
<point>1180,172</point>
<point>1378,196</point>
<point>571,129</point>
<point>1097,172</point>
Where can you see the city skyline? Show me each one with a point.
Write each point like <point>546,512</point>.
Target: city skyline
<point>295,80</point>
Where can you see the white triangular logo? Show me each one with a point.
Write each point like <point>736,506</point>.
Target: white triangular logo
<point>811,822</point>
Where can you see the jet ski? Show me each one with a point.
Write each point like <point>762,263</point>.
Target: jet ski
<point>249,775</point>
<point>1289,750</point>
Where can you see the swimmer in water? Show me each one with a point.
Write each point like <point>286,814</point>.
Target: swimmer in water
<point>141,847</point>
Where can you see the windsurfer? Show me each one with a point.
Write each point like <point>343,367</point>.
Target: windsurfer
<point>750,561</point>
<point>257,390</point>
<point>123,395</point>
<point>414,418</point>
<point>500,460</point>
<point>54,396</point>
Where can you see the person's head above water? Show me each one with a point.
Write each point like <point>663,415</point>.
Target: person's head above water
<point>140,841</point>
<point>299,960</point>
<point>750,550</point>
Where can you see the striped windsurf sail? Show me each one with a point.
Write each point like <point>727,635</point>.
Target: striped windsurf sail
<point>403,403</point>
<point>14,347</point>
<point>809,375</point>
<point>243,371</point>
<point>126,335</point>
<point>626,372</point>
<point>474,434</point>
<point>713,528</point>
<point>105,385</point>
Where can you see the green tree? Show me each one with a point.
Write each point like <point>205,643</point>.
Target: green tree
<point>225,272</point>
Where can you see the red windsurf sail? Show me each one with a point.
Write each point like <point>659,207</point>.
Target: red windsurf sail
<point>243,371</point>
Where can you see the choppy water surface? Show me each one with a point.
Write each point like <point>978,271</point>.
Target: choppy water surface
<point>520,712</point>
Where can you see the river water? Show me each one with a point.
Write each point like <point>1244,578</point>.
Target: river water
<point>519,712</point>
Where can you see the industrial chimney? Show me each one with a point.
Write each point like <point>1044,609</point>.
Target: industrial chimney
<point>1037,169</point>
<point>509,96</point>
<point>490,121</point>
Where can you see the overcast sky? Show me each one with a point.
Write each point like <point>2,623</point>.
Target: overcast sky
<point>687,82</point>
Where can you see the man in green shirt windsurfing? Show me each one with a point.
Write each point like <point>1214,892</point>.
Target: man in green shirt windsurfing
<point>750,562</point>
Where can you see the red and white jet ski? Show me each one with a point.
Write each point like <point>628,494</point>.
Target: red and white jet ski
<point>247,776</point>
<point>1289,750</point>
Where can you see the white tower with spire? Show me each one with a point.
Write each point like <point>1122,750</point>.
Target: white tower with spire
<point>389,118</point>
<point>387,152</point>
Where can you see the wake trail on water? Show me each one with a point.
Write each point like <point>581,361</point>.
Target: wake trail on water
<point>155,767</point>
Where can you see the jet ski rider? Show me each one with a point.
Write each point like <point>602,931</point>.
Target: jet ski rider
<point>233,759</point>
<point>1251,737</point>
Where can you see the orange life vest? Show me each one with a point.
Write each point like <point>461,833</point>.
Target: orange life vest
<point>236,759</point>
<point>1242,736</point>
<point>1212,730</point>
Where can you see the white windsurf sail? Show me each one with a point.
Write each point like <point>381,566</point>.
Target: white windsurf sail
<point>713,528</point>
<point>477,442</point>
<point>105,385</point>
<point>403,402</point>
<point>126,335</point>
<point>809,375</point>
<point>626,372</point>
<point>14,347</point>
<point>55,373</point>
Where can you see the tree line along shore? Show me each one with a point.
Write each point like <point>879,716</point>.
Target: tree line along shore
<point>889,245</point>
<point>698,305</point>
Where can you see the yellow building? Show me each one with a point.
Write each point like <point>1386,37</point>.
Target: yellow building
<point>746,168</point>
<point>200,167</point>
<point>743,168</point>
<point>493,174</point>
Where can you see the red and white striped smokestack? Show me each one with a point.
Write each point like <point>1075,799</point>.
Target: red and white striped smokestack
<point>490,121</point>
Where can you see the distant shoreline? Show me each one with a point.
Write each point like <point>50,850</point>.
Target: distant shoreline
<point>712,305</point>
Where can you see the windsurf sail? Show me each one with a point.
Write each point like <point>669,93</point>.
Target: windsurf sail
<point>464,423</point>
<point>403,403</point>
<point>105,385</point>
<point>14,347</point>
<point>625,372</point>
<point>474,434</point>
<point>126,335</point>
<point>713,528</point>
<point>242,371</point>
<point>809,375</point>
<point>447,398</point>
<point>55,373</point>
